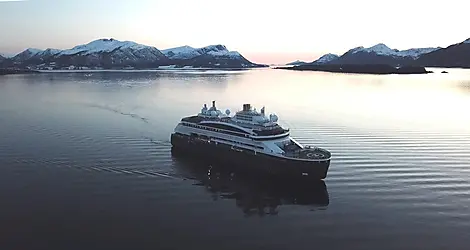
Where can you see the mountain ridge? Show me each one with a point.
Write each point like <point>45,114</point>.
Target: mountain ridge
<point>296,62</point>
<point>112,53</point>
<point>380,54</point>
<point>451,56</point>
<point>326,58</point>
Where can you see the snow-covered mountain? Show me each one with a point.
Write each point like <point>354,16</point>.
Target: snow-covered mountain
<point>219,51</point>
<point>321,60</point>
<point>326,59</point>
<point>6,55</point>
<point>212,56</point>
<point>49,52</point>
<point>101,53</point>
<point>26,54</point>
<point>183,52</point>
<point>417,52</point>
<point>380,54</point>
<point>297,62</point>
<point>31,56</point>
<point>103,46</point>
<point>112,53</point>
<point>187,52</point>
<point>384,50</point>
<point>455,55</point>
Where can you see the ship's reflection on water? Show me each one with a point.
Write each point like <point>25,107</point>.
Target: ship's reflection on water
<point>254,194</point>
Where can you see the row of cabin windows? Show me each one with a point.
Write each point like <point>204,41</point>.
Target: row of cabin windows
<point>240,143</point>
<point>216,130</point>
<point>225,127</point>
<point>277,131</point>
<point>243,117</point>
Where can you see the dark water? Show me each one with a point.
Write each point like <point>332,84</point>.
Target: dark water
<point>85,163</point>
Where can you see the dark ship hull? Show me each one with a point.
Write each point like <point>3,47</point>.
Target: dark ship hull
<point>253,195</point>
<point>249,160</point>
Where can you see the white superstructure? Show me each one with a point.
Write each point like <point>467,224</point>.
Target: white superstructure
<point>248,129</point>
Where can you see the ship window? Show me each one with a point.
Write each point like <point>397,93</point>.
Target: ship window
<point>220,128</point>
<point>243,117</point>
<point>226,127</point>
<point>240,143</point>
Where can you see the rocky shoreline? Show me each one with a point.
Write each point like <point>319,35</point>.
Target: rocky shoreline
<point>17,71</point>
<point>378,69</point>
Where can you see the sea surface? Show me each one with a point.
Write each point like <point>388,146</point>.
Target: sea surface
<point>86,162</point>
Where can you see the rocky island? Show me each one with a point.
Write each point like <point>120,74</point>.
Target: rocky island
<point>381,59</point>
<point>360,68</point>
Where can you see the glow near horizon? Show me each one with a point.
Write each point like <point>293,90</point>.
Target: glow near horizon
<point>263,31</point>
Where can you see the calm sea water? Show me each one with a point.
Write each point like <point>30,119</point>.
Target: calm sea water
<point>85,162</point>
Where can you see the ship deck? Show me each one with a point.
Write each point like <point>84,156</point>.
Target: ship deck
<point>309,154</point>
<point>294,150</point>
<point>197,119</point>
<point>260,130</point>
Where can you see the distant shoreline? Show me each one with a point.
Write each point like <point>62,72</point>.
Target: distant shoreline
<point>142,70</point>
<point>375,69</point>
<point>17,71</point>
<point>27,71</point>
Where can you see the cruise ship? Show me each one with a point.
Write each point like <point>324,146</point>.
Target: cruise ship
<point>249,138</point>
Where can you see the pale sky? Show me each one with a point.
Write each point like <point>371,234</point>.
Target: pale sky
<point>264,31</point>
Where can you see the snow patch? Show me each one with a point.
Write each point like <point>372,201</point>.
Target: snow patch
<point>326,58</point>
<point>467,41</point>
<point>296,62</point>
<point>188,52</point>
<point>49,52</point>
<point>103,45</point>
<point>53,51</point>
<point>5,55</point>
<point>33,51</point>
<point>213,48</point>
<point>181,49</point>
<point>27,54</point>
<point>354,50</point>
<point>182,52</point>
<point>416,52</point>
<point>226,53</point>
<point>382,49</point>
